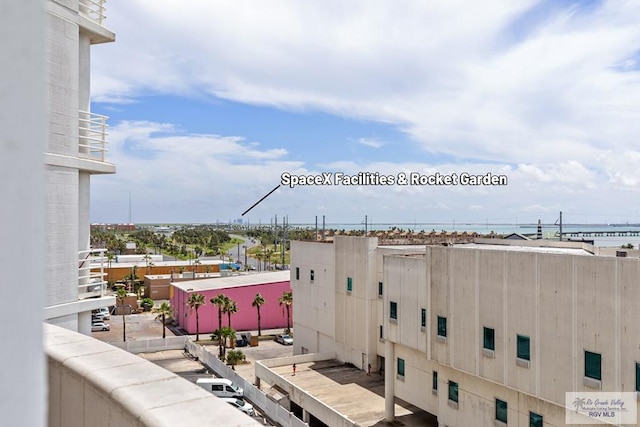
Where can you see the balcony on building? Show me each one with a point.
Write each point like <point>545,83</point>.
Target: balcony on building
<point>92,142</point>
<point>92,20</point>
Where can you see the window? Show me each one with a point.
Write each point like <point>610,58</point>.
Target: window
<point>535,420</point>
<point>593,365</point>
<point>423,317</point>
<point>400,367</point>
<point>297,273</point>
<point>453,391</point>
<point>637,376</point>
<point>381,332</point>
<point>217,387</point>
<point>311,275</point>
<point>501,410</point>
<point>442,326</point>
<point>349,284</point>
<point>434,381</point>
<point>489,338</point>
<point>393,310</point>
<point>379,289</point>
<point>523,348</point>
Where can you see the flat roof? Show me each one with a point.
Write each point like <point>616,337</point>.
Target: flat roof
<point>178,263</point>
<point>517,248</point>
<point>236,280</point>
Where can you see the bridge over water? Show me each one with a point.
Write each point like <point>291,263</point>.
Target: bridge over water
<point>604,233</point>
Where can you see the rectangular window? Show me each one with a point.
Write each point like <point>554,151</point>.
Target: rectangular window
<point>489,338</point>
<point>379,289</point>
<point>393,310</point>
<point>535,420</point>
<point>501,410</point>
<point>311,275</point>
<point>593,365</point>
<point>434,381</point>
<point>423,317</point>
<point>638,377</point>
<point>453,391</point>
<point>297,273</point>
<point>381,330</point>
<point>349,284</point>
<point>523,347</point>
<point>442,326</point>
<point>400,367</point>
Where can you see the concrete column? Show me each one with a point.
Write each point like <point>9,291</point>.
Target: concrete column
<point>84,322</point>
<point>389,381</point>
<point>305,416</point>
<point>22,185</point>
<point>257,382</point>
<point>84,72</point>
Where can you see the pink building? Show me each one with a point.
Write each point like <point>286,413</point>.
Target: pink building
<point>242,289</point>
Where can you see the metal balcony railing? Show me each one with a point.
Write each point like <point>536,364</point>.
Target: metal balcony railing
<point>94,10</point>
<point>91,273</point>
<point>92,135</point>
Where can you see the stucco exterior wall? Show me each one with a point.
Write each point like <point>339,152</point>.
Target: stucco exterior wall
<point>246,319</point>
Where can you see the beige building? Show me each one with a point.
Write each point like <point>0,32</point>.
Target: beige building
<point>482,334</point>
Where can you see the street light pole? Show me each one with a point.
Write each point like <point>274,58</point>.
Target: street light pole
<point>244,248</point>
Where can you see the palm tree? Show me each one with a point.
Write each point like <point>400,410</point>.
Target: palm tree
<point>219,301</point>
<point>222,335</point>
<point>230,307</point>
<point>234,357</point>
<point>257,302</point>
<point>163,311</point>
<point>121,294</point>
<point>287,299</point>
<point>194,302</point>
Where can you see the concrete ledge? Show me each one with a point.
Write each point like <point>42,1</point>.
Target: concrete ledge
<point>498,423</point>
<point>452,404</point>
<point>94,383</point>
<point>441,339</point>
<point>489,353</point>
<point>592,383</point>
<point>523,363</point>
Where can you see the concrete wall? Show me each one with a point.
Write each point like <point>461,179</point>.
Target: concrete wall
<point>22,187</point>
<point>246,319</point>
<point>565,303</point>
<point>94,383</point>
<point>315,331</point>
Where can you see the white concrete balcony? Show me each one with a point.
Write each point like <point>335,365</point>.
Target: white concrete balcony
<point>91,274</point>
<point>94,10</point>
<point>92,136</point>
<point>91,383</point>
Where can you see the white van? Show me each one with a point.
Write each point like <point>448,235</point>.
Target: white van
<point>220,387</point>
<point>242,405</point>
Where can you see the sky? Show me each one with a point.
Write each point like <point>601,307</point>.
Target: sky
<point>212,103</point>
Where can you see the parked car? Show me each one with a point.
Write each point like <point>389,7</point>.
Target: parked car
<point>100,326</point>
<point>284,339</point>
<point>99,317</point>
<point>101,312</point>
<point>245,407</point>
<point>221,387</point>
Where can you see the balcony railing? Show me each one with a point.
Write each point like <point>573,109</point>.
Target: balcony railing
<point>93,9</point>
<point>91,273</point>
<point>92,135</point>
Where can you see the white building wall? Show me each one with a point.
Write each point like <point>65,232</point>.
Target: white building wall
<point>314,328</point>
<point>23,122</point>
<point>67,191</point>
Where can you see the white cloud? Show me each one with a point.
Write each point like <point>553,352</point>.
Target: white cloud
<point>549,98</point>
<point>205,178</point>
<point>370,142</point>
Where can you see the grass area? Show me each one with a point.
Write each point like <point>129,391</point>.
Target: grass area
<point>274,257</point>
<point>231,244</point>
